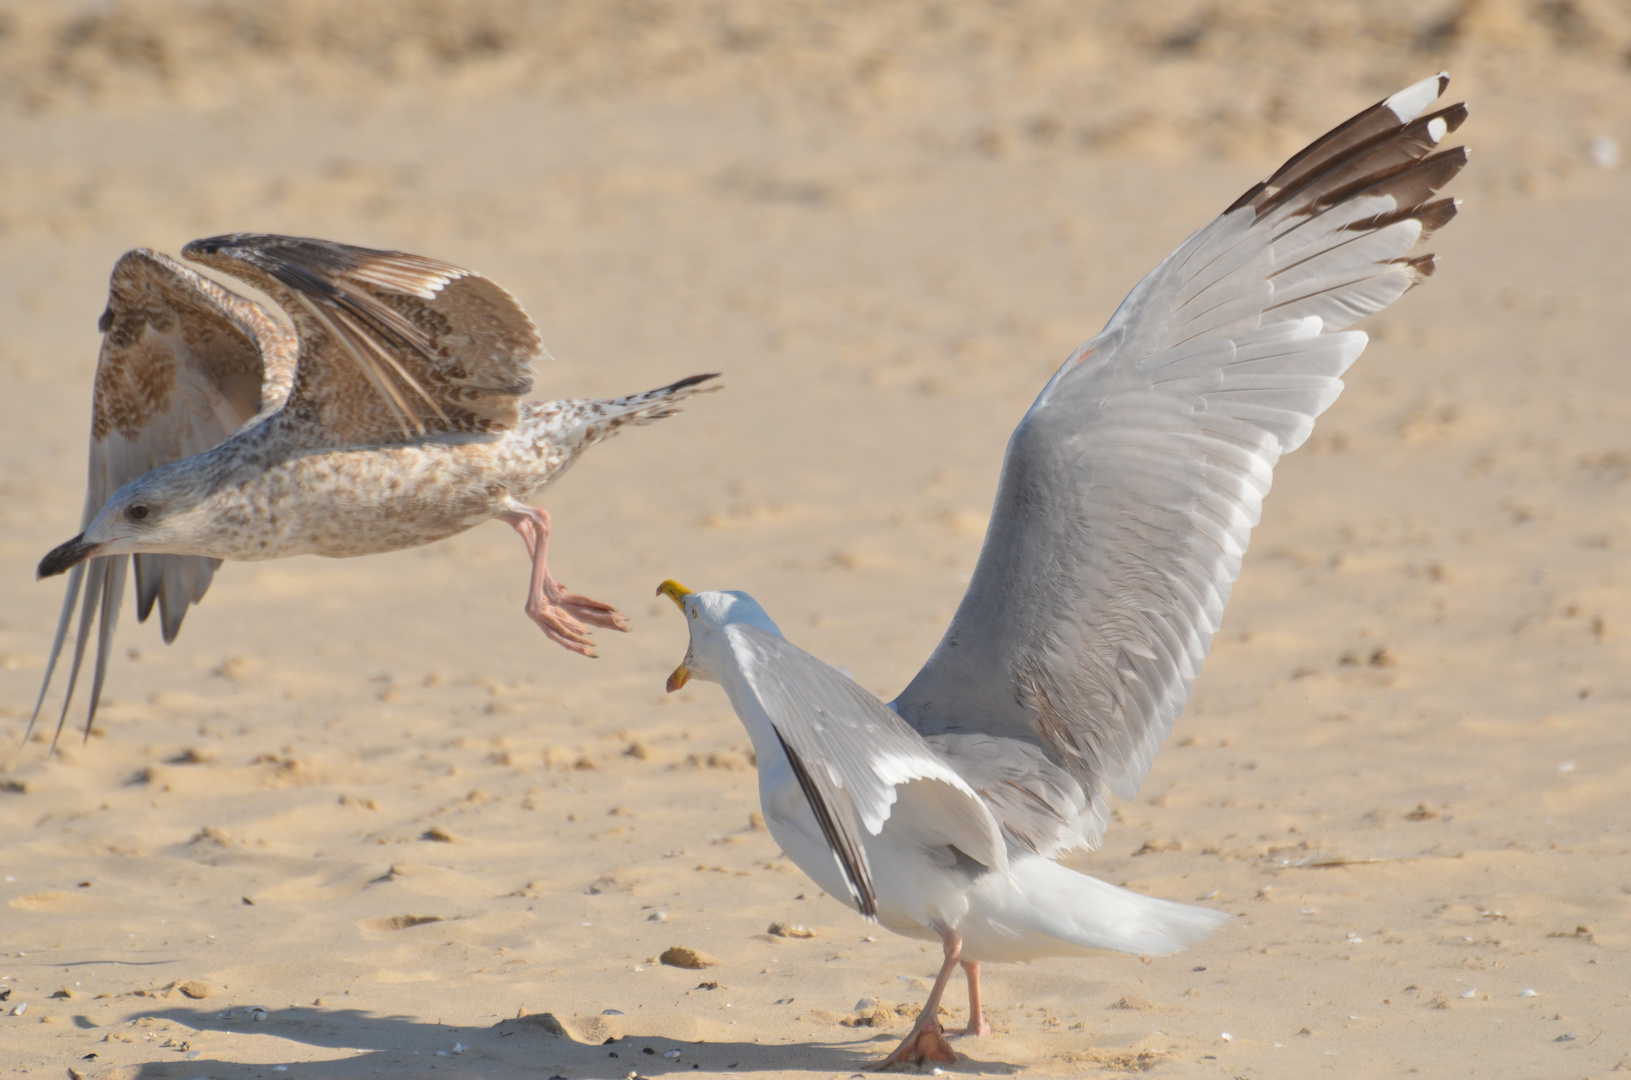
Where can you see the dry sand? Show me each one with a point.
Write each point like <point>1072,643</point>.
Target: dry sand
<point>371,799</point>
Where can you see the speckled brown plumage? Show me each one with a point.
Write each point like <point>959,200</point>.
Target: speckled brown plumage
<point>389,416</point>
<point>391,344</point>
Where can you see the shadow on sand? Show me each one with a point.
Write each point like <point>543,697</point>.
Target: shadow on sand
<point>529,1047</point>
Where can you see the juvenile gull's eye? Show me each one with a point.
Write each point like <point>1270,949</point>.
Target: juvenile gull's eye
<point>137,512</point>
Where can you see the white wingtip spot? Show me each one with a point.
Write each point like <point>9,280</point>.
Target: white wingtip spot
<point>1409,103</point>
<point>1436,129</point>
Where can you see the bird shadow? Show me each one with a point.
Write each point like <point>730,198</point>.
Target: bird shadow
<point>527,1047</point>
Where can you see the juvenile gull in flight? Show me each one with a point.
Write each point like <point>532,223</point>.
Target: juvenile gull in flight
<point>1126,500</point>
<point>389,416</point>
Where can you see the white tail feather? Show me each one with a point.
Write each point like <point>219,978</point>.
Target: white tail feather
<point>1049,910</point>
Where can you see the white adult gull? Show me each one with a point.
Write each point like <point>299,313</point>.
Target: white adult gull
<point>1125,503</point>
<point>390,415</point>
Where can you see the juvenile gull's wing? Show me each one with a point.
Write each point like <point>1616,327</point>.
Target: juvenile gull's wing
<point>1130,488</point>
<point>184,363</point>
<point>850,753</point>
<point>392,346</point>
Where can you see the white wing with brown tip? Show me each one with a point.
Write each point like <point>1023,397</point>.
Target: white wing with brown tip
<point>1130,488</point>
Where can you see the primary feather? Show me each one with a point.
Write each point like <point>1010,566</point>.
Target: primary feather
<point>1130,488</point>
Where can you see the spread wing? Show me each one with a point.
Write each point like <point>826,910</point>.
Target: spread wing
<point>184,364</point>
<point>1130,488</point>
<point>852,755</point>
<point>392,346</point>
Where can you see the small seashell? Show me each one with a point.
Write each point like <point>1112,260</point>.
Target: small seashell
<point>1226,1037</point>
<point>611,1012</point>
<point>257,1014</point>
<point>866,1003</point>
<point>1470,994</point>
<point>657,916</point>
<point>20,1009</point>
<point>1527,993</point>
<point>459,1048</point>
<point>671,1054</point>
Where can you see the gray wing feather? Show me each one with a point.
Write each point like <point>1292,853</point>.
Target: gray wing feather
<point>1130,488</point>
<point>855,750</point>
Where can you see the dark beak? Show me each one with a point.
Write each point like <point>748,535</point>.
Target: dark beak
<point>66,556</point>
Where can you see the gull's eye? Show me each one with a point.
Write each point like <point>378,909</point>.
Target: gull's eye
<point>693,613</point>
<point>136,512</point>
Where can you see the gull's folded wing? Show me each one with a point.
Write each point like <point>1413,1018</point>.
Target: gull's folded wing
<point>851,753</point>
<point>1130,488</point>
<point>393,345</point>
<point>184,363</point>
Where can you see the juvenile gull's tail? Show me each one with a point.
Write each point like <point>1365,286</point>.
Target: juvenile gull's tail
<point>586,421</point>
<point>651,405</point>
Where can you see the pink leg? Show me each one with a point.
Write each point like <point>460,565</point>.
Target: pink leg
<point>926,1042</point>
<point>556,611</point>
<point>976,1016</point>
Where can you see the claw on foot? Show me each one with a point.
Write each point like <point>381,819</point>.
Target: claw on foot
<point>594,612</point>
<point>926,1042</point>
<point>559,614</point>
<point>561,628</point>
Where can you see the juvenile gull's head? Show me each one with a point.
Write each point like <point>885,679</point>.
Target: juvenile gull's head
<point>165,511</point>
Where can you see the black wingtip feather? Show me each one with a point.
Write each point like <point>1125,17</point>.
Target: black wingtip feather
<point>1433,217</point>
<point>689,381</point>
<point>850,860</point>
<point>1344,144</point>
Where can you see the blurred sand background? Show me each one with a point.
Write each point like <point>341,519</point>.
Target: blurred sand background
<point>371,799</point>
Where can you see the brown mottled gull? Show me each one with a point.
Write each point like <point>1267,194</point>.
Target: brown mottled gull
<point>1126,500</point>
<point>389,416</point>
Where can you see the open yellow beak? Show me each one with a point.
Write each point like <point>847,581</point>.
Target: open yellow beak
<point>677,593</point>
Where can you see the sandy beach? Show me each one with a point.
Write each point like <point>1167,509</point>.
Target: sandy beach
<point>362,819</point>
